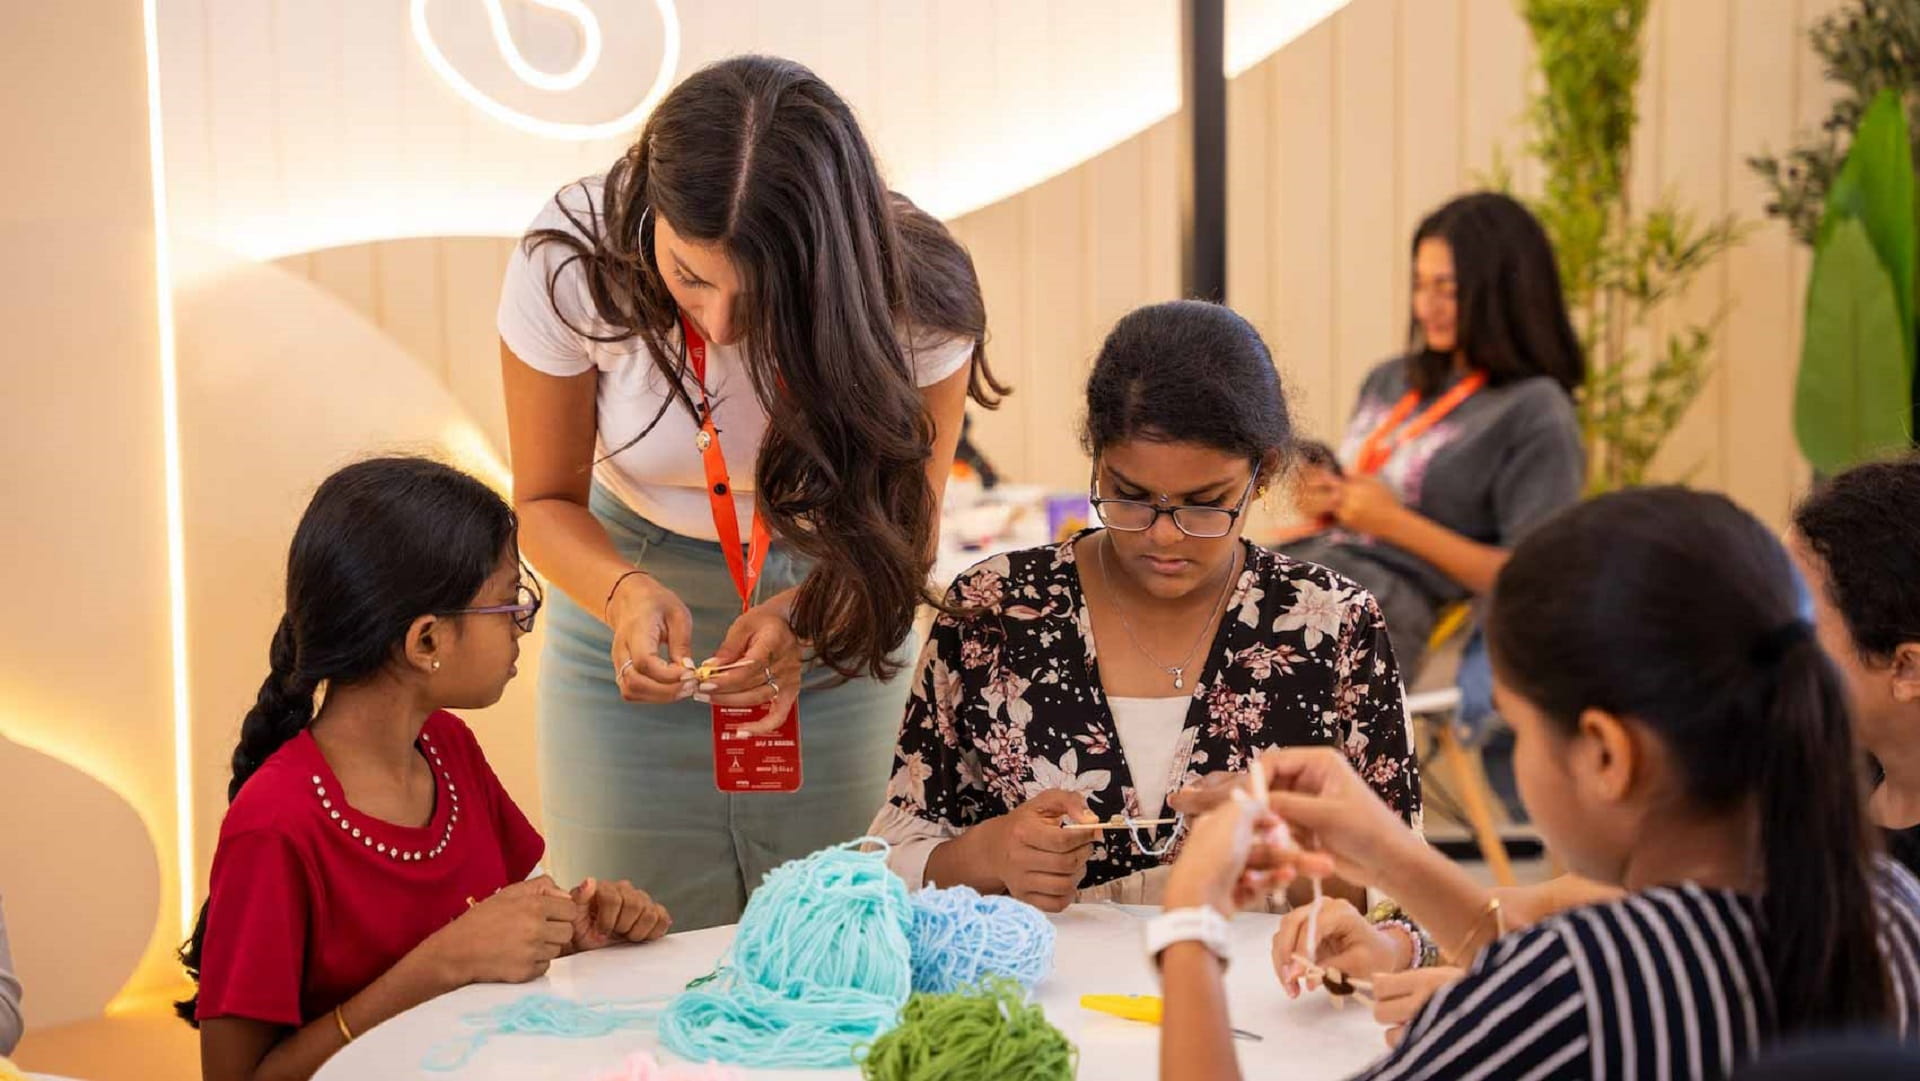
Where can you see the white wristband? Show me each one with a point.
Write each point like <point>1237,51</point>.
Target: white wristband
<point>1204,925</point>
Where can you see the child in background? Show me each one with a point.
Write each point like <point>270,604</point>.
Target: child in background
<point>370,860</point>
<point>1679,735</point>
<point>1857,541</point>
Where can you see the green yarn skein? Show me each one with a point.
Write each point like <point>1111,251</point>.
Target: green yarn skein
<point>987,1032</point>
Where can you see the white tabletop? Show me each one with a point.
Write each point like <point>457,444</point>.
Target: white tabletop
<point>1098,952</point>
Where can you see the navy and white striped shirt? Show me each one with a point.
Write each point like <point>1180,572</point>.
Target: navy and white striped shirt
<point>1667,983</point>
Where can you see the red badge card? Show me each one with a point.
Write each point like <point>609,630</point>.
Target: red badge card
<point>744,762</point>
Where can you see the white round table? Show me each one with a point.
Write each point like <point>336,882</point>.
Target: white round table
<point>1098,952</point>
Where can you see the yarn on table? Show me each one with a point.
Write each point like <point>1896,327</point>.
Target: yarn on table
<point>820,963</point>
<point>986,1032</point>
<point>542,1015</point>
<point>960,937</point>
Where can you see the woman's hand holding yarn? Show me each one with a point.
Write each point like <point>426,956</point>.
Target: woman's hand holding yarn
<point>763,656</point>
<point>1037,861</point>
<point>1317,492</point>
<point>1336,817</point>
<point>1205,794</point>
<point>1347,942</point>
<point>652,641</point>
<point>1218,867</point>
<point>1366,505</point>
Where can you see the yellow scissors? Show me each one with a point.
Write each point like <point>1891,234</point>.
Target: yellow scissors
<point>1147,1008</point>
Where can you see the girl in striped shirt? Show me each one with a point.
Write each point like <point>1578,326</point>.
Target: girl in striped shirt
<point>1679,735</point>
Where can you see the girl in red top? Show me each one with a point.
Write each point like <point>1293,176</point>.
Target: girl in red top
<point>370,859</point>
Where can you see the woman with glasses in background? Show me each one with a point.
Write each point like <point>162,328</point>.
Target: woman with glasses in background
<point>1025,741</point>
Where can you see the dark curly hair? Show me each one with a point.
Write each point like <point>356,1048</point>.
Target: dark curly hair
<point>1865,526</point>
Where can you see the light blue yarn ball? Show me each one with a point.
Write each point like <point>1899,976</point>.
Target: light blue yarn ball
<point>960,936</point>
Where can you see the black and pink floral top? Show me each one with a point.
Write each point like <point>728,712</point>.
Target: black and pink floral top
<point>1008,704</point>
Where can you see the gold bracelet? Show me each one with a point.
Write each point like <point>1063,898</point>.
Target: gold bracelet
<point>1458,956</point>
<point>341,1020</point>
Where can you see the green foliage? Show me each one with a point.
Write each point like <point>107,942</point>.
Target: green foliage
<point>1618,267</point>
<point>1867,47</point>
<point>1853,398</point>
<point>1875,186</point>
<point>1844,411</point>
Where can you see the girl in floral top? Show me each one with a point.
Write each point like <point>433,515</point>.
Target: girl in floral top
<point>1210,649</point>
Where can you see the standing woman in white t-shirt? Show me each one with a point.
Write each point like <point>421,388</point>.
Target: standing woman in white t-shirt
<point>743,261</point>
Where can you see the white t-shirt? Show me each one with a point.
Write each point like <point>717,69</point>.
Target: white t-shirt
<point>661,477</point>
<point>1149,731</point>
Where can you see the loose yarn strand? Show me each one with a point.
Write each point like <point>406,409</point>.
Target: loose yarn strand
<point>543,1015</point>
<point>1147,849</point>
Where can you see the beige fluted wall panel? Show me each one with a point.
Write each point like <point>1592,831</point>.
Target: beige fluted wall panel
<point>304,384</point>
<point>85,653</point>
<point>1339,144</point>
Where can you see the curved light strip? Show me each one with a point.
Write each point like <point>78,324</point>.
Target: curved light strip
<point>170,457</point>
<point>553,129</point>
<point>516,60</point>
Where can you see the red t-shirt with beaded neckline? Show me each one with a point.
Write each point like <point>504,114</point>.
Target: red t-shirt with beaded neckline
<point>311,900</point>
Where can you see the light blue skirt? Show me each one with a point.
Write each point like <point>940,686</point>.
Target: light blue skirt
<point>627,789</point>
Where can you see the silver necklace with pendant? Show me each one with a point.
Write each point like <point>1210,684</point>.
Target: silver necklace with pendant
<point>1177,671</point>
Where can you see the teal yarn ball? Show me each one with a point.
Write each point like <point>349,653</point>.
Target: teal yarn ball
<point>820,963</point>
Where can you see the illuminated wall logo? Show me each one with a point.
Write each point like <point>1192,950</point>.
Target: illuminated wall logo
<point>473,47</point>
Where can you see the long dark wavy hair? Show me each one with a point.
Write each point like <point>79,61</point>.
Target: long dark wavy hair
<point>759,155</point>
<point>1512,320</point>
<point>383,542</point>
<point>1681,611</point>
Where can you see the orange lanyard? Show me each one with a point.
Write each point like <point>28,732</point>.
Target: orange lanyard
<point>1388,437</point>
<point>726,519</point>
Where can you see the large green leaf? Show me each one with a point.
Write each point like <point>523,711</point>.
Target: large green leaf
<point>1852,402</point>
<point>1876,186</point>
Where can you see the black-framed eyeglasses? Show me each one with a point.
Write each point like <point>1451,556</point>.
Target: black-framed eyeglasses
<point>1205,523</point>
<point>524,612</point>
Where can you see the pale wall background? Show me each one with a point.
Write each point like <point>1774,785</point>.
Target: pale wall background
<point>1339,144</point>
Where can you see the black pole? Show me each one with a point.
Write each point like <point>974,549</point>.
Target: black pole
<point>1203,35</point>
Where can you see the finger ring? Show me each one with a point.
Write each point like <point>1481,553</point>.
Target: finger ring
<point>775,684</point>
<point>623,668</point>
<point>769,671</point>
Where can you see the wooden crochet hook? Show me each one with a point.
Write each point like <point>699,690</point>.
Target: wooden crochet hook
<point>707,671</point>
<point>1121,824</point>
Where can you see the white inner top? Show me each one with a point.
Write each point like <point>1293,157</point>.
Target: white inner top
<point>1149,731</point>
<point>661,477</point>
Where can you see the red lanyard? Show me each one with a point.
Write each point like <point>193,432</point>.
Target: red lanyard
<point>1386,439</point>
<point>726,519</point>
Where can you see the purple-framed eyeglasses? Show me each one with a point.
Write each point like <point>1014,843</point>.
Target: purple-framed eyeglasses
<point>524,612</point>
